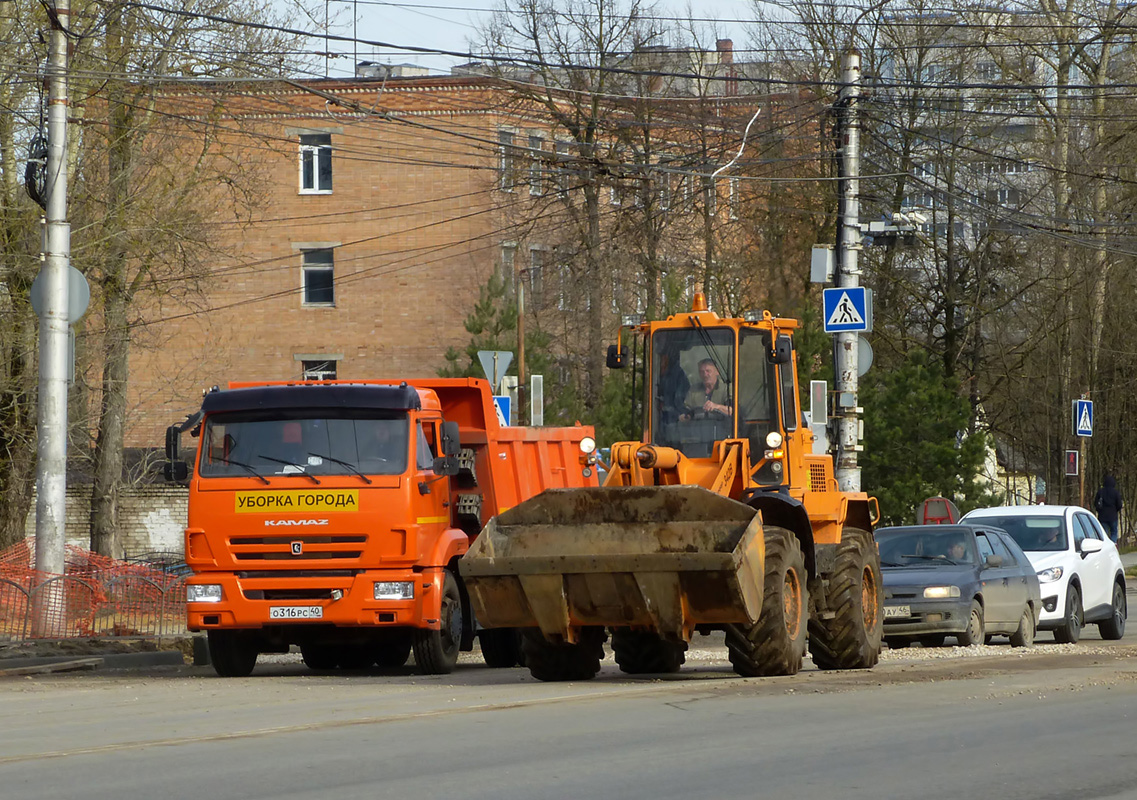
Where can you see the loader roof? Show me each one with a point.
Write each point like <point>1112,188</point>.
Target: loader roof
<point>292,396</point>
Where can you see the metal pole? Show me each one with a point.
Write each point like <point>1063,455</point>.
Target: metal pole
<point>51,431</point>
<point>519,280</point>
<point>848,274</point>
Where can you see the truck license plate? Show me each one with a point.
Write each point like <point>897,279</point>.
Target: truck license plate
<point>897,611</point>
<point>296,612</point>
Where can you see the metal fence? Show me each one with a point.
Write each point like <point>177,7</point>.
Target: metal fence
<point>97,598</point>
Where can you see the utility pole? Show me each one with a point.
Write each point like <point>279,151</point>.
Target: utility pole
<point>51,432</point>
<point>519,282</point>
<point>848,274</point>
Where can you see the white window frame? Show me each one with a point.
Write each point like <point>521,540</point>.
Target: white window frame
<point>735,197</point>
<point>536,164</point>
<point>315,152</point>
<point>507,159</point>
<point>508,266</point>
<point>321,369</point>
<point>310,267</point>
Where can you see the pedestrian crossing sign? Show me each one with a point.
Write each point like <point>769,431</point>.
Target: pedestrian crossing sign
<point>847,309</point>
<point>1083,418</point>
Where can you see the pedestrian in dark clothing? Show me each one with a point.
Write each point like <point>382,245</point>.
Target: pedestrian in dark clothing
<point>1107,502</point>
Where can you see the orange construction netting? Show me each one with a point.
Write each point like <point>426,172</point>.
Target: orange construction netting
<point>96,596</point>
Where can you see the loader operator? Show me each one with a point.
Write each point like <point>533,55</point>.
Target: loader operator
<point>708,396</point>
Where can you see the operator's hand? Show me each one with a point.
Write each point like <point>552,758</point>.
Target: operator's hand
<point>708,407</point>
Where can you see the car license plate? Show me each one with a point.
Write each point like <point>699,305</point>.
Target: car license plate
<point>897,611</point>
<point>296,612</point>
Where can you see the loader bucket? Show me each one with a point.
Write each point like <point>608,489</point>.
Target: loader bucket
<point>662,558</point>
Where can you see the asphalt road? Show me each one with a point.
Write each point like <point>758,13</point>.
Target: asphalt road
<point>1054,723</point>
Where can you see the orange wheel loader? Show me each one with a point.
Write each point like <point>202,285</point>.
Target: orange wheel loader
<point>722,518</point>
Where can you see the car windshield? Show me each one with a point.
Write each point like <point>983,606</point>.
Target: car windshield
<point>1038,533</point>
<point>275,443</point>
<point>902,547</point>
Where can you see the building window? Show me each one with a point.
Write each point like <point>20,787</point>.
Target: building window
<point>507,165</point>
<point>508,263</point>
<point>318,278</point>
<point>664,182</point>
<point>536,166</point>
<point>735,198</point>
<point>315,163</point>
<point>537,257</point>
<point>563,156</point>
<point>319,370</point>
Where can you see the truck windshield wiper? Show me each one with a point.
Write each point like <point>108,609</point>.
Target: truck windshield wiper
<point>245,466</point>
<point>347,464</point>
<point>301,467</point>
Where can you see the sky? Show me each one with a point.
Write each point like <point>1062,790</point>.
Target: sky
<point>450,24</point>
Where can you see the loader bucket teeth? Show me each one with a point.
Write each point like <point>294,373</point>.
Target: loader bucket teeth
<point>662,558</point>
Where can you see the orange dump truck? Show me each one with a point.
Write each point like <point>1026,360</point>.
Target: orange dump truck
<point>331,515</point>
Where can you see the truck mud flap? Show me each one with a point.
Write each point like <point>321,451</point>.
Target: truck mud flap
<point>662,558</point>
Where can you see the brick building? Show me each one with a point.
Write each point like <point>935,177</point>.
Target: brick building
<point>373,231</point>
<point>381,205</point>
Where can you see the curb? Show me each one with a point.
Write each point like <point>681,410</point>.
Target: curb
<point>108,661</point>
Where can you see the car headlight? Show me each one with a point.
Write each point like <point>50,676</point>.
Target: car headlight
<point>941,592</point>
<point>1049,575</point>
<point>394,590</point>
<point>203,593</point>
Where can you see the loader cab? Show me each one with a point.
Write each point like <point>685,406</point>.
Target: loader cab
<point>710,383</point>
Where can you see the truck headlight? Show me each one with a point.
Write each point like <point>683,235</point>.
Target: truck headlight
<point>940,592</point>
<point>394,590</point>
<point>587,445</point>
<point>203,593</point>
<point>1050,575</point>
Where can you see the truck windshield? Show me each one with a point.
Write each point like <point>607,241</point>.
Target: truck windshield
<point>336,443</point>
<point>692,404</point>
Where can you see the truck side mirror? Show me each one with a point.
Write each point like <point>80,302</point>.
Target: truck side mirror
<point>174,470</point>
<point>447,465</point>
<point>783,352</point>
<point>451,446</point>
<point>617,356</point>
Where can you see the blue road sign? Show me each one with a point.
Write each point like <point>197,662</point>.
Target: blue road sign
<point>503,402</point>
<point>847,309</point>
<point>1083,418</point>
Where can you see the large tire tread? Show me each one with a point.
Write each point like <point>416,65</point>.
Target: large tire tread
<point>548,661</point>
<point>851,639</point>
<point>232,653</point>
<point>646,652</point>
<point>501,647</point>
<point>775,644</point>
<point>436,651</point>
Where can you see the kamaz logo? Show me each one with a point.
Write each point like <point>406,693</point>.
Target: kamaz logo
<point>272,523</point>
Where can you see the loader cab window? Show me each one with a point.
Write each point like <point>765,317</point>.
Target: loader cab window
<point>757,389</point>
<point>693,385</point>
<point>267,443</point>
<point>789,393</point>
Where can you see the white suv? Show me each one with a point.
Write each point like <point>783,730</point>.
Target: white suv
<point>1079,570</point>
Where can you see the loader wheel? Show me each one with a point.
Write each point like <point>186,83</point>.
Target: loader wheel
<point>645,652</point>
<point>232,653</point>
<point>775,644</point>
<point>501,647</point>
<point>563,662</point>
<point>436,652</point>
<point>851,639</point>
